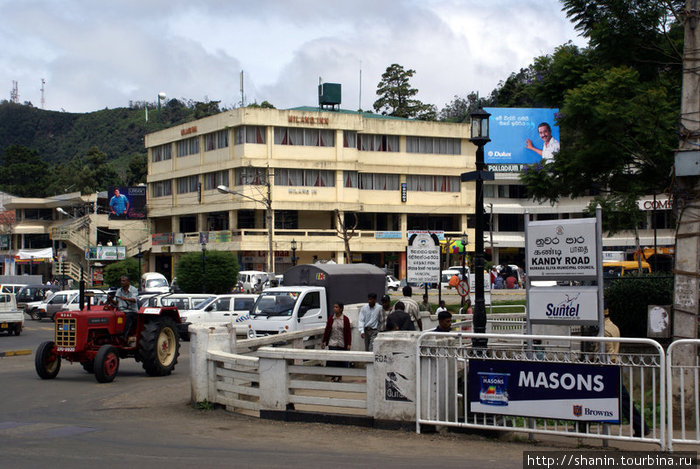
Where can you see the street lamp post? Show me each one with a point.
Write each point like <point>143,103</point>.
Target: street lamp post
<point>267,202</point>
<point>294,252</point>
<point>465,277</point>
<point>139,256</point>
<point>204,269</point>
<point>479,136</point>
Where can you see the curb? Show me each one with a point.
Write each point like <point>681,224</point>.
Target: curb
<point>12,353</point>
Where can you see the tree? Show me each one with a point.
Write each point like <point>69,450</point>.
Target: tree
<point>204,109</point>
<point>264,105</point>
<point>23,173</point>
<point>114,272</point>
<point>221,272</point>
<point>459,108</point>
<point>396,96</point>
<point>88,174</point>
<point>346,232</point>
<point>137,170</point>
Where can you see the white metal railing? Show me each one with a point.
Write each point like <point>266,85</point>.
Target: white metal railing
<point>442,364</point>
<point>683,393</point>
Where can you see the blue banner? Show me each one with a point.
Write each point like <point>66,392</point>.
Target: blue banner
<point>511,128</point>
<point>564,391</point>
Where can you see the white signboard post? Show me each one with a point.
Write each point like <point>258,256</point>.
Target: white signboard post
<point>564,305</point>
<point>564,250</point>
<point>423,258</point>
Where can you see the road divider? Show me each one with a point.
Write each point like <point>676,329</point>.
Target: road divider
<point>12,353</point>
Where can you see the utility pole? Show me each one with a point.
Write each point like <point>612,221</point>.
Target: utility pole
<point>687,255</point>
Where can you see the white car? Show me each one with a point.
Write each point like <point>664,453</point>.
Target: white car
<point>230,308</point>
<point>392,283</point>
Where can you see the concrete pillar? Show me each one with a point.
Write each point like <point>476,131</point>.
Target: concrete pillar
<point>273,380</point>
<point>394,376</point>
<point>202,339</point>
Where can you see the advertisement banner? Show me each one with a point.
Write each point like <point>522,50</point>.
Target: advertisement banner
<point>126,203</point>
<point>511,128</point>
<point>106,253</point>
<point>161,238</point>
<point>562,248</point>
<point>565,391</point>
<point>564,305</point>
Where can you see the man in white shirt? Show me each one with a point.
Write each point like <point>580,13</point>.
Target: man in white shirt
<point>551,145</point>
<point>368,321</point>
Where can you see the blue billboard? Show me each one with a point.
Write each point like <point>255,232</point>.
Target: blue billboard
<point>515,137</point>
<point>565,391</point>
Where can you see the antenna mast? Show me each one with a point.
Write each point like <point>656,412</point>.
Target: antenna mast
<point>14,94</point>
<point>43,101</point>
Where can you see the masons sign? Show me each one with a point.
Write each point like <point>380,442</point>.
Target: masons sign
<point>562,248</point>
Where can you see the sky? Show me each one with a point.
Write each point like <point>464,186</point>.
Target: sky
<point>95,54</point>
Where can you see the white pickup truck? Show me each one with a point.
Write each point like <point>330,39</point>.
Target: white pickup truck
<point>306,299</point>
<point>11,318</point>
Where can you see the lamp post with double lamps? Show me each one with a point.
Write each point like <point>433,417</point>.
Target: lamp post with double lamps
<point>161,97</point>
<point>465,277</point>
<point>267,202</point>
<point>479,136</point>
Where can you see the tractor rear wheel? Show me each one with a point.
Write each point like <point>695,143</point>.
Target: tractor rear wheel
<point>159,346</point>
<point>106,364</point>
<point>46,362</point>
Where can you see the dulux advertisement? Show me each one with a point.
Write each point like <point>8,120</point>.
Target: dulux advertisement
<point>511,128</point>
<point>565,391</point>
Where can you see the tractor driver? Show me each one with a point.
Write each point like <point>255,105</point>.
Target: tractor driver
<point>127,301</point>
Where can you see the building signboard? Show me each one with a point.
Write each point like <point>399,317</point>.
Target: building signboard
<point>423,258</point>
<point>566,391</point>
<point>161,238</point>
<point>562,248</point>
<point>126,203</point>
<point>564,305</point>
<point>387,235</point>
<point>509,130</point>
<point>106,253</point>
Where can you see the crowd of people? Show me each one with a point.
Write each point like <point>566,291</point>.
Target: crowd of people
<point>503,277</point>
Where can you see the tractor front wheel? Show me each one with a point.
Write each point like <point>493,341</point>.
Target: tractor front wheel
<point>159,346</point>
<point>106,364</point>
<point>46,362</point>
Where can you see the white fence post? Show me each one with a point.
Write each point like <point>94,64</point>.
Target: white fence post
<point>273,384</point>
<point>203,339</point>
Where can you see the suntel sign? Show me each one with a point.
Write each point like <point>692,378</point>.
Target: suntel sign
<point>559,305</point>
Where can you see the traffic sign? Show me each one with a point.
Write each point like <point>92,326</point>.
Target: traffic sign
<point>463,288</point>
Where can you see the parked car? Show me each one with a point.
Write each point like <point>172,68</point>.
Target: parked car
<point>33,293</point>
<point>182,301</point>
<point>392,284</point>
<point>230,308</point>
<point>11,318</point>
<point>60,300</point>
<point>154,282</point>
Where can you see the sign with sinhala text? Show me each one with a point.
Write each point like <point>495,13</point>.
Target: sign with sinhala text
<point>564,305</point>
<point>423,258</point>
<point>562,248</point>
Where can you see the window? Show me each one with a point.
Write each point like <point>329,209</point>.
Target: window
<point>188,224</point>
<point>436,145</point>
<point>304,177</point>
<point>162,153</point>
<point>38,214</point>
<point>510,222</point>
<point>307,137</point>
<point>216,140</point>
<point>432,183</point>
<point>349,139</point>
<point>368,142</point>
<point>286,219</point>
<point>187,184</point>
<point>162,188</point>
<point>215,179</point>
<point>189,146</point>
<point>251,176</point>
<point>489,191</point>
<point>250,134</point>
<point>378,182</point>
<point>350,178</point>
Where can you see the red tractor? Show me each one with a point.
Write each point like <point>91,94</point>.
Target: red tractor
<point>93,337</point>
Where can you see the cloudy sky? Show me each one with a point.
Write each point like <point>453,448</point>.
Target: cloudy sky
<point>95,54</point>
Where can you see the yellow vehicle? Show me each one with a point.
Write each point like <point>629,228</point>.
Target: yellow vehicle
<point>615,269</point>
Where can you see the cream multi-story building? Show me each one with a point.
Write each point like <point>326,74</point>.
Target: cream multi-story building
<point>323,168</point>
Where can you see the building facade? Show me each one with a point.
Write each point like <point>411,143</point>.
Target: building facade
<point>327,171</point>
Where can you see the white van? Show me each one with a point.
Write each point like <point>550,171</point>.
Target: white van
<point>154,282</point>
<point>248,279</point>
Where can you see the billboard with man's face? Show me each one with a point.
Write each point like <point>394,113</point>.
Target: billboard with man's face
<point>126,203</point>
<point>517,136</point>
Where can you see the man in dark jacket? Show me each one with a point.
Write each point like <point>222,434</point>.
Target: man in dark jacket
<point>399,320</point>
